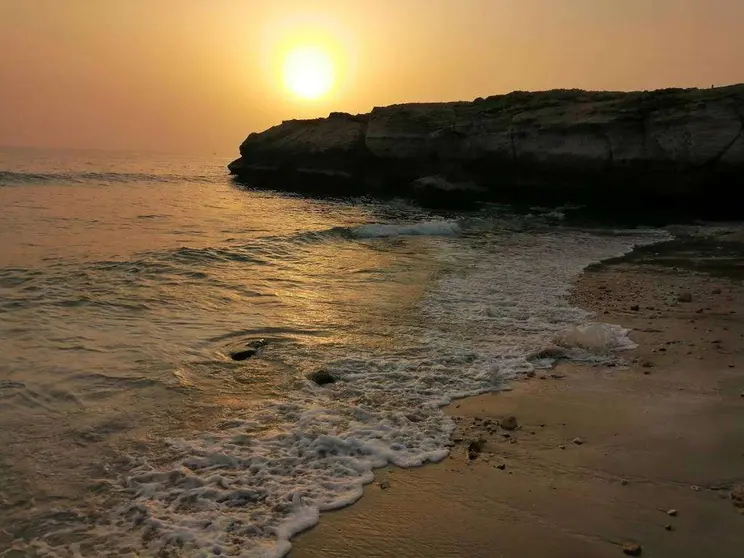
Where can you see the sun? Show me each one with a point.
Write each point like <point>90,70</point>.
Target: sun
<point>308,72</point>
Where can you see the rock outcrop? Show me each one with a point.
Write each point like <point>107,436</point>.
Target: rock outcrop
<point>669,149</point>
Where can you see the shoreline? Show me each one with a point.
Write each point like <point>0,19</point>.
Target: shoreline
<point>602,455</point>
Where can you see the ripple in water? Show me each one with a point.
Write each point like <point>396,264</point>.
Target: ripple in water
<point>117,360</point>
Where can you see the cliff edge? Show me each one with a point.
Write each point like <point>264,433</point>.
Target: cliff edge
<point>671,149</point>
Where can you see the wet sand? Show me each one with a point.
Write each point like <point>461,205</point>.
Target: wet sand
<point>602,454</point>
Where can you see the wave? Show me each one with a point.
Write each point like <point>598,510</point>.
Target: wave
<point>427,228</point>
<point>9,178</point>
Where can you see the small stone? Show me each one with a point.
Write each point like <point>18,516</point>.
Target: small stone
<point>647,364</point>
<point>474,449</point>
<point>501,467</point>
<point>384,484</point>
<point>672,513</point>
<point>624,482</point>
<point>635,308</point>
<point>509,423</point>
<point>737,496</point>
<point>695,488</point>
<point>562,446</point>
<point>578,441</point>
<point>321,377</point>
<point>632,549</point>
<point>668,527</point>
<point>716,291</point>
<point>243,355</point>
<point>684,297</point>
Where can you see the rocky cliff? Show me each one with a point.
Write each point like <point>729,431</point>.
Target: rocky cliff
<point>667,149</point>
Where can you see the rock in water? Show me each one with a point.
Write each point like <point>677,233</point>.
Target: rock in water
<point>648,151</point>
<point>321,377</point>
<point>243,355</point>
<point>509,423</point>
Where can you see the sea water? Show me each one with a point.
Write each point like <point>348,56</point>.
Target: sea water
<point>128,280</point>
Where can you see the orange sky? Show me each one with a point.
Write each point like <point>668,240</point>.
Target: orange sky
<point>199,75</point>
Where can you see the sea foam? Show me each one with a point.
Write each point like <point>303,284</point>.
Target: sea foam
<point>245,489</point>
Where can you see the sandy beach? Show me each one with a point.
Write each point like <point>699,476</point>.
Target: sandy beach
<point>644,459</point>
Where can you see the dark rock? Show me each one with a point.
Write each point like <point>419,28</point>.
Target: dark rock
<point>501,467</point>
<point>437,191</point>
<point>509,423</point>
<point>668,527</point>
<point>635,308</point>
<point>632,549</point>
<point>578,441</point>
<point>321,377</point>
<point>243,355</point>
<point>521,147</point>
<point>474,449</point>
<point>737,496</point>
<point>684,297</point>
<point>716,291</point>
<point>384,484</point>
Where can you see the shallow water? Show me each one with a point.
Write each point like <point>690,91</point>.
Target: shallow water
<point>127,280</point>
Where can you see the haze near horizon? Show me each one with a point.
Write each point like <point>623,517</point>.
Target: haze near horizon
<point>194,76</point>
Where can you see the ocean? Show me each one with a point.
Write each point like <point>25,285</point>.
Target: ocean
<point>128,281</point>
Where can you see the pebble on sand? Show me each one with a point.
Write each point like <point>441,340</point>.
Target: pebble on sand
<point>737,496</point>
<point>578,441</point>
<point>474,449</point>
<point>684,297</point>
<point>509,422</point>
<point>632,549</point>
<point>672,513</point>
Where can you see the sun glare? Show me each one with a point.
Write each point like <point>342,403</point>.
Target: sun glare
<point>308,72</point>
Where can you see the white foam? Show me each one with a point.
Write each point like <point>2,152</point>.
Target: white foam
<point>597,338</point>
<point>428,228</point>
<point>245,491</point>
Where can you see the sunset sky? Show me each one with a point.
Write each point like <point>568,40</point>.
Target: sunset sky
<point>199,75</point>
